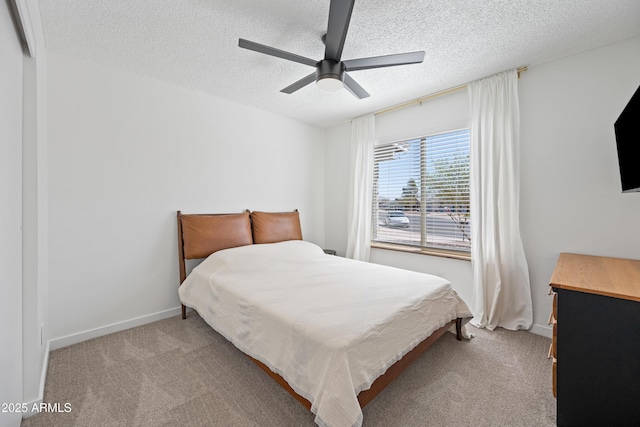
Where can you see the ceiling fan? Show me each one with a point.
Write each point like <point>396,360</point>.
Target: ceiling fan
<point>331,72</point>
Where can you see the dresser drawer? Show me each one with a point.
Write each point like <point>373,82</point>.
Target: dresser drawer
<point>553,321</point>
<point>554,339</point>
<point>554,378</point>
<point>553,346</point>
<point>554,304</point>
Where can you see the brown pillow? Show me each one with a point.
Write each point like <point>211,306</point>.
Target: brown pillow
<point>273,227</point>
<point>205,234</point>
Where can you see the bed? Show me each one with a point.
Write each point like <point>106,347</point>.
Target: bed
<point>330,330</point>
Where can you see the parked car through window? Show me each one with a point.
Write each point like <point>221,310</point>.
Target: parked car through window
<point>396,219</point>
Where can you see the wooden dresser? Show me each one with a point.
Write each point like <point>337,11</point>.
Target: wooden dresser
<point>596,340</point>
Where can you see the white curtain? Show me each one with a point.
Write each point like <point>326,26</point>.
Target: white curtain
<point>500,271</point>
<point>360,188</point>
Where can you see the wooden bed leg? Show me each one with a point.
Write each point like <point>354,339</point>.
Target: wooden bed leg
<point>459,329</point>
<point>184,312</point>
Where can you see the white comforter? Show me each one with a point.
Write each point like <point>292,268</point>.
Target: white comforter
<point>328,325</point>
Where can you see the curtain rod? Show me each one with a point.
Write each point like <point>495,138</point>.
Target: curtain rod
<point>433,95</point>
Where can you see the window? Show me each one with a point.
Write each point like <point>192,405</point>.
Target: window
<point>421,193</point>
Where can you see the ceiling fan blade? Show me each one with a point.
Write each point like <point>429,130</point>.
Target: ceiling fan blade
<point>339,17</point>
<point>246,44</point>
<point>300,83</point>
<point>354,87</point>
<point>384,61</point>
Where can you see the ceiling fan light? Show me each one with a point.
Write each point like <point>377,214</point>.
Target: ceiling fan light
<point>330,84</point>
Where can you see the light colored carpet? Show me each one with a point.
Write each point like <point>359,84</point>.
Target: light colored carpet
<point>181,372</point>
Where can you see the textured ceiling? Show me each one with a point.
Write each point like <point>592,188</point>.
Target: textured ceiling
<point>194,43</point>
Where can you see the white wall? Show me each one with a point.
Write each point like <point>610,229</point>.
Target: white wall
<point>571,198</point>
<point>10,216</point>
<point>125,152</point>
<point>337,187</point>
<point>570,195</point>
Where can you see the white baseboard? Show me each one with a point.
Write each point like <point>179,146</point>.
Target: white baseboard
<point>543,330</point>
<point>109,329</point>
<point>34,404</point>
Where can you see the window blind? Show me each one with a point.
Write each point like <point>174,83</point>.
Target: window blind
<point>421,192</point>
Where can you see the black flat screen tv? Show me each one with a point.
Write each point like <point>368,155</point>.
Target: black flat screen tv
<point>627,129</point>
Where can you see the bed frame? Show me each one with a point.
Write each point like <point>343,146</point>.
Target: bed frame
<point>227,221</point>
